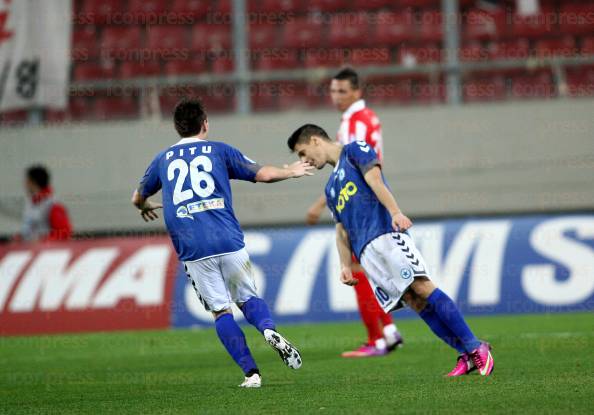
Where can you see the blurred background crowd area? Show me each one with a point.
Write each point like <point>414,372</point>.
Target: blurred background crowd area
<point>135,58</point>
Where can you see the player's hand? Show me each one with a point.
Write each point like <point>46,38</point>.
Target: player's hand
<point>313,214</point>
<point>346,277</point>
<point>300,168</point>
<point>148,211</point>
<point>400,222</point>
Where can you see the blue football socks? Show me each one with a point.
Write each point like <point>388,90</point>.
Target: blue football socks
<point>256,312</point>
<point>234,341</point>
<point>440,329</point>
<point>447,311</point>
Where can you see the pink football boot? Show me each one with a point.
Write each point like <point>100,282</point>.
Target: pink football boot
<point>482,359</point>
<point>464,366</point>
<point>365,351</point>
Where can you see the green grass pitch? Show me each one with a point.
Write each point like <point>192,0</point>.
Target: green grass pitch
<point>543,364</point>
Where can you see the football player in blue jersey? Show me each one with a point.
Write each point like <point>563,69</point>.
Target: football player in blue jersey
<point>194,176</point>
<point>370,224</point>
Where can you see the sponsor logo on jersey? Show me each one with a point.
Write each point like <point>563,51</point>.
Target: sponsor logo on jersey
<point>200,206</point>
<point>210,204</point>
<point>182,212</point>
<point>350,189</point>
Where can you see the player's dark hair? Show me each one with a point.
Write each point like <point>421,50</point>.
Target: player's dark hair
<point>348,74</point>
<point>304,133</point>
<point>39,175</point>
<point>189,117</point>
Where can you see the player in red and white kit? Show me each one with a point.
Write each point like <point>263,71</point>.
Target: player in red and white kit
<point>360,123</point>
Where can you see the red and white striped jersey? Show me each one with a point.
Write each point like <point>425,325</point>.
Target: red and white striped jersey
<point>360,123</point>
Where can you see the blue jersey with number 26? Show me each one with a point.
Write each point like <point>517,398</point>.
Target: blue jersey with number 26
<point>351,200</point>
<point>197,202</point>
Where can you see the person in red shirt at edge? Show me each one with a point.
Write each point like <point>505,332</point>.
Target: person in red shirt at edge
<point>360,123</point>
<point>44,219</point>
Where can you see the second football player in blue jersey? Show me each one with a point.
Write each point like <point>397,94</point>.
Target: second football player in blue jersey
<point>194,175</point>
<point>370,224</point>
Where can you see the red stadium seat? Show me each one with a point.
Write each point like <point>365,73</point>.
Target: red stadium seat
<point>192,9</point>
<point>302,32</point>
<point>147,7</point>
<point>512,49</point>
<point>369,56</point>
<point>279,6</point>
<point>294,95</point>
<point>418,3</point>
<point>263,36</point>
<point>90,71</point>
<point>116,108</point>
<point>120,38</point>
<point>211,37</point>
<point>139,69</point>
<point>218,98</point>
<point>103,11</point>
<point>55,116</point>
<point>428,91</point>
<point>480,24</point>
<point>576,18</point>
<point>318,94</point>
<point>327,5</point>
<point>556,47</point>
<point>537,25</point>
<point>191,66</point>
<point>580,81</point>
<point>371,4</point>
<point>277,59</point>
<point>588,45</point>
<point>474,51</point>
<point>431,23</point>
<point>13,118</point>
<point>533,85</point>
<point>169,97</point>
<point>167,38</point>
<point>222,63</point>
<point>484,87</point>
<point>394,28</point>
<point>281,95</point>
<point>419,54</point>
<point>80,108</point>
<point>223,7</point>
<point>349,30</point>
<point>84,43</point>
<point>325,57</point>
<point>384,90</point>
<point>264,95</point>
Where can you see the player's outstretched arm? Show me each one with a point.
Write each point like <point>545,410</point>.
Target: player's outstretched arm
<point>373,178</point>
<point>146,207</point>
<point>344,252</point>
<point>271,174</point>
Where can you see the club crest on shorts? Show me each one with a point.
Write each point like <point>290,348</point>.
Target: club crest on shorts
<point>405,273</point>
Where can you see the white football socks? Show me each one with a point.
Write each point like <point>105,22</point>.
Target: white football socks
<point>390,333</point>
<point>381,344</point>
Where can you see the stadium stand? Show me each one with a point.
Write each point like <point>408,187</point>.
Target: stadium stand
<point>172,38</point>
